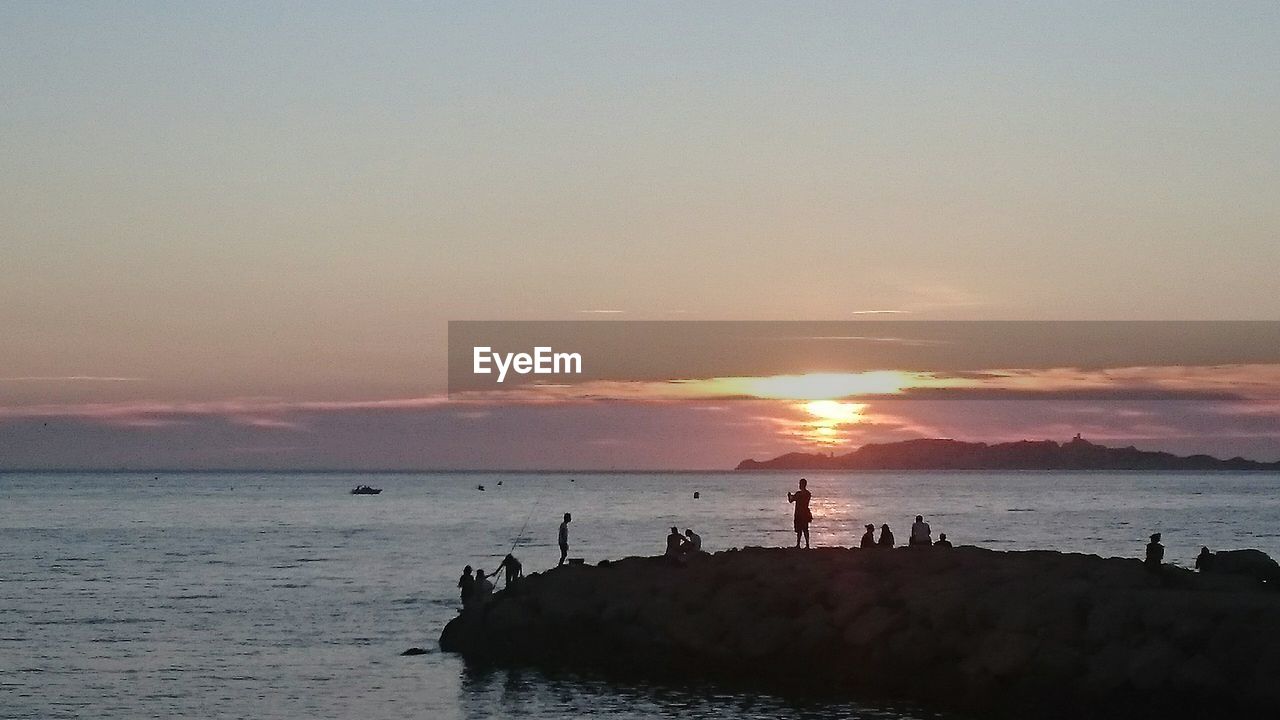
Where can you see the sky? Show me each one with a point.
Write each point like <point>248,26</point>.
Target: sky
<point>233,235</point>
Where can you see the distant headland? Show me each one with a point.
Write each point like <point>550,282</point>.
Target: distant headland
<point>939,454</point>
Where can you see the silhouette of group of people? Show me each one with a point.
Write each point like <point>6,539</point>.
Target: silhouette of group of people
<point>475,590</point>
<point>476,587</point>
<point>921,533</point>
<point>679,547</point>
<point>1155,555</point>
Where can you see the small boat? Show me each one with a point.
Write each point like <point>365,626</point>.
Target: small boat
<point>365,490</point>
<point>480,488</point>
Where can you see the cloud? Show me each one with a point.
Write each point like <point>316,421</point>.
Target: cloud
<point>70,378</point>
<point>247,411</point>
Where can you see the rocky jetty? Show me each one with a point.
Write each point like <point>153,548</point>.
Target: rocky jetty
<point>1032,634</point>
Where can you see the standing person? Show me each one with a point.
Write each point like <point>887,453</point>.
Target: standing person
<point>1155,552</point>
<point>483,589</point>
<point>564,538</point>
<point>803,517</point>
<point>514,569</point>
<point>886,537</point>
<point>868,537</point>
<point>921,534</point>
<point>467,585</point>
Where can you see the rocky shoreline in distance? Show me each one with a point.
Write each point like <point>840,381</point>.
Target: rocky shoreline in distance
<point>1030,634</point>
<point>943,454</point>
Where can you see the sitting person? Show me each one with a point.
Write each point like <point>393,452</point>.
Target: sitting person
<point>693,542</point>
<point>942,541</point>
<point>1155,552</point>
<point>868,537</point>
<point>921,535</point>
<point>1204,559</point>
<point>886,537</point>
<point>675,544</point>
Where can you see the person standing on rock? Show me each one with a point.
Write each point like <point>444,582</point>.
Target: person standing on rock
<point>483,589</point>
<point>921,534</point>
<point>515,571</point>
<point>803,517</point>
<point>564,538</point>
<point>886,536</point>
<point>868,537</point>
<point>466,584</point>
<point>1155,552</point>
<point>693,541</point>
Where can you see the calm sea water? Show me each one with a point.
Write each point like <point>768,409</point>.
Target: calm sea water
<point>282,596</point>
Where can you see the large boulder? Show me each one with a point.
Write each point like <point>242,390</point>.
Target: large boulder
<point>1251,563</point>
<point>988,633</point>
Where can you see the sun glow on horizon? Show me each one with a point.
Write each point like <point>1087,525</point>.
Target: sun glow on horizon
<point>821,385</point>
<point>828,419</point>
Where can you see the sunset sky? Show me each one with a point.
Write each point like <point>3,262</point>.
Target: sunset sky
<point>232,235</point>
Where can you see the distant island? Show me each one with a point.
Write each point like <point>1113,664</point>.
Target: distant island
<point>940,454</point>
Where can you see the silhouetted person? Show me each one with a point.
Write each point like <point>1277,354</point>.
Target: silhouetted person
<point>886,537</point>
<point>921,534</point>
<point>803,517</point>
<point>564,538</point>
<point>1155,552</point>
<point>483,589</point>
<point>514,569</point>
<point>1204,559</point>
<point>942,541</point>
<point>868,537</point>
<point>692,542</point>
<point>466,584</point>
<point>675,544</point>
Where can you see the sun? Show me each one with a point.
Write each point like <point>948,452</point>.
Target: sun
<point>835,411</point>
<point>829,417</point>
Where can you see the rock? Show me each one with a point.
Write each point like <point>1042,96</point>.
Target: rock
<point>413,651</point>
<point>866,629</point>
<point>990,633</point>
<point>1002,653</point>
<point>1149,665</point>
<point>1250,563</point>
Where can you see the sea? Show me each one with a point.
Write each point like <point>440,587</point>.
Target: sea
<point>281,595</point>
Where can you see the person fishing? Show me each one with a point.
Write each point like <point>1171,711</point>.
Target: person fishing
<point>514,569</point>
<point>803,517</point>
